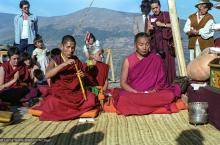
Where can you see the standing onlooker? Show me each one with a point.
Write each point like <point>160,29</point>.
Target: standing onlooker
<point>198,27</point>
<point>162,40</point>
<point>26,28</point>
<point>40,54</point>
<point>139,21</point>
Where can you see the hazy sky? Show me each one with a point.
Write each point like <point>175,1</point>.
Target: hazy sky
<point>62,7</point>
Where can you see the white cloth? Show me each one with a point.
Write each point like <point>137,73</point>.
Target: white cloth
<point>92,49</point>
<point>42,58</point>
<point>24,32</point>
<point>216,27</point>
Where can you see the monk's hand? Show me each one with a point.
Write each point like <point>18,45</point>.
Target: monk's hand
<point>16,76</point>
<point>150,26</point>
<point>159,24</point>
<point>80,73</point>
<point>152,91</point>
<point>69,62</point>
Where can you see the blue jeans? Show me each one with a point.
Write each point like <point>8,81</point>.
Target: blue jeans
<point>25,47</point>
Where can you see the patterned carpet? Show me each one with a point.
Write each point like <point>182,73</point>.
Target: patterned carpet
<point>111,129</point>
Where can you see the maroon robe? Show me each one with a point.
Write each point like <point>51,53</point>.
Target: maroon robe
<point>145,75</point>
<point>99,71</point>
<point>65,99</point>
<point>163,40</point>
<point>15,92</point>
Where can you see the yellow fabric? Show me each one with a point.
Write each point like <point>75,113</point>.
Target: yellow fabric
<point>5,116</point>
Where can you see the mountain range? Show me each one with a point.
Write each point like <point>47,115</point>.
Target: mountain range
<point>114,29</point>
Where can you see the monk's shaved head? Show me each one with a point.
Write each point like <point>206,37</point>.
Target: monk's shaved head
<point>141,34</point>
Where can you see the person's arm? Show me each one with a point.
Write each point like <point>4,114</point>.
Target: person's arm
<point>216,27</point>
<point>165,25</point>
<point>8,84</point>
<point>206,32</point>
<point>124,76</point>
<point>52,70</point>
<point>187,26</point>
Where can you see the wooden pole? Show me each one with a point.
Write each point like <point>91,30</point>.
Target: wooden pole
<point>80,82</point>
<point>108,55</point>
<point>177,38</point>
<point>112,66</point>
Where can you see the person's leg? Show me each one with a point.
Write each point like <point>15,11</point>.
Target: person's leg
<point>30,49</point>
<point>23,45</point>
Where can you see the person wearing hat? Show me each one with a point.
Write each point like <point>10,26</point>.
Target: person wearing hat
<point>198,27</point>
<point>140,21</point>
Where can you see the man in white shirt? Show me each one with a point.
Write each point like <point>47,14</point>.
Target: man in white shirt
<point>199,28</point>
<point>140,21</point>
<point>26,28</point>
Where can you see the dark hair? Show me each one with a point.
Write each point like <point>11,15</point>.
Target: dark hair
<point>67,38</point>
<point>155,1</point>
<point>38,38</point>
<point>25,56</point>
<point>38,73</point>
<point>13,51</point>
<point>141,34</point>
<point>92,36</point>
<point>24,2</point>
<point>54,52</point>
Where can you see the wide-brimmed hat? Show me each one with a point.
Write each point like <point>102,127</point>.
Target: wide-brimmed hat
<point>204,2</point>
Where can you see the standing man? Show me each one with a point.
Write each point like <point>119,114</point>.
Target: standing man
<point>162,40</point>
<point>26,28</point>
<point>198,27</point>
<point>139,21</point>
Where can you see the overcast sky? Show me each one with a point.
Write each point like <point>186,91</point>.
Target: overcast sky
<point>62,7</point>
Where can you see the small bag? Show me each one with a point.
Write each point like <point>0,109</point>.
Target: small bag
<point>183,81</point>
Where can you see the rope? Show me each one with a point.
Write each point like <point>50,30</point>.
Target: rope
<point>83,18</point>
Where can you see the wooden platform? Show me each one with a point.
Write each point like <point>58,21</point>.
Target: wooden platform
<point>112,129</point>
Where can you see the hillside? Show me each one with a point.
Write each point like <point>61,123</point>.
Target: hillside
<point>112,28</point>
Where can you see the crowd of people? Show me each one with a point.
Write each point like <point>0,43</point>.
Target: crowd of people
<point>63,83</point>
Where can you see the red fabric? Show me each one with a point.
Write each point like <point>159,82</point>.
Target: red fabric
<point>162,41</point>
<point>217,42</point>
<point>99,71</point>
<point>144,103</point>
<point>24,76</point>
<point>65,100</point>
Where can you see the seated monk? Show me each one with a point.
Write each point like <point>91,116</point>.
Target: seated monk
<point>14,78</point>
<point>98,69</point>
<point>144,87</point>
<point>65,99</point>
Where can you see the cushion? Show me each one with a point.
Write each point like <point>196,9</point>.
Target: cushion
<point>90,114</point>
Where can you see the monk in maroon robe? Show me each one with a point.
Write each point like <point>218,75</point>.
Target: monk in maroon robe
<point>14,78</point>
<point>162,40</point>
<point>144,87</point>
<point>65,99</point>
<point>98,69</point>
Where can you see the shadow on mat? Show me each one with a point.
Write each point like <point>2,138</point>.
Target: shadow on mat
<point>190,137</point>
<point>75,136</point>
